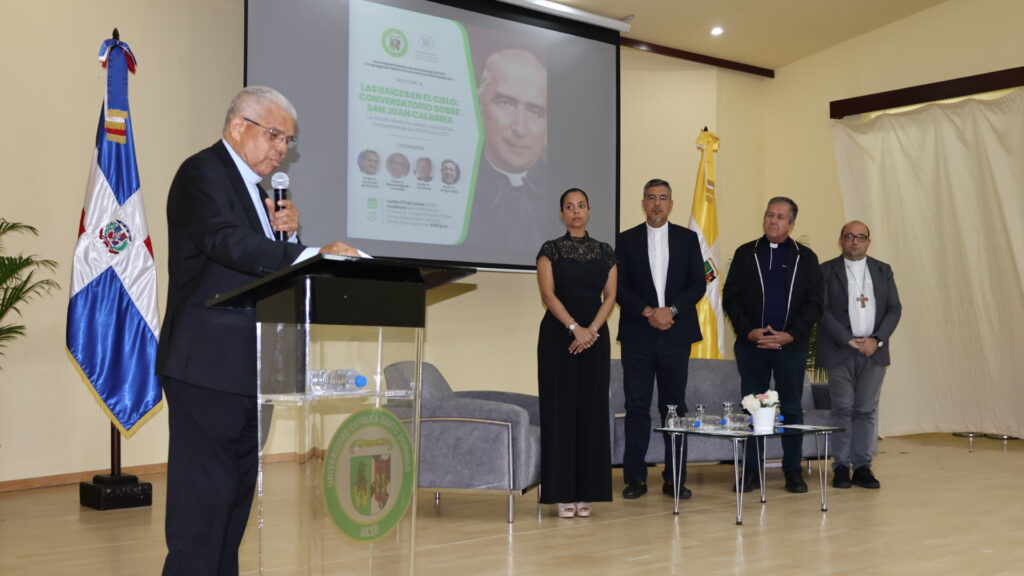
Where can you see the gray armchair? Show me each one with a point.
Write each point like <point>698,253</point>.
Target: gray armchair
<point>473,440</point>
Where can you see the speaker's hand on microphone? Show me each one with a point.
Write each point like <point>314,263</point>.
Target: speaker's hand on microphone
<point>284,220</point>
<point>339,248</point>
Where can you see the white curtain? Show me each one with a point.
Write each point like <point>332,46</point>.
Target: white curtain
<point>942,189</point>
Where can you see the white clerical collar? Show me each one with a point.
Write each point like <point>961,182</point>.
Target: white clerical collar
<point>248,176</point>
<point>858,264</point>
<point>773,244</point>
<point>659,230</point>
<point>516,180</point>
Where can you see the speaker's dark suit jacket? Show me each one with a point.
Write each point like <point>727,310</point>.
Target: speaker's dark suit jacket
<point>207,362</point>
<point>684,285</point>
<point>216,245</point>
<point>836,333</point>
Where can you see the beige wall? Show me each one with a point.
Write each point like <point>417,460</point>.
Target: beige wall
<point>665,103</point>
<point>190,64</point>
<point>741,162</point>
<point>775,140</point>
<point>955,39</point>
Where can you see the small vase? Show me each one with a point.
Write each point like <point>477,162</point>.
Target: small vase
<point>764,419</point>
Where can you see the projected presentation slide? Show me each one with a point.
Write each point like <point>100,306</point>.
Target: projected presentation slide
<point>406,112</point>
<point>432,132</point>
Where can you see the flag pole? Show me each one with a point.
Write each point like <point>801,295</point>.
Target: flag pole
<point>115,490</point>
<point>115,451</point>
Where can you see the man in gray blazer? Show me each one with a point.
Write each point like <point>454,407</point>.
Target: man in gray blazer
<point>862,309</point>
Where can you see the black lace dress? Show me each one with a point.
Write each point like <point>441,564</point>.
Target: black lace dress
<point>573,388</point>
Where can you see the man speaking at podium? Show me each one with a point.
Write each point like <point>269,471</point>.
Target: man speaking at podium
<point>221,227</point>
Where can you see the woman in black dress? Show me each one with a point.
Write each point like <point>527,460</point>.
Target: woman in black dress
<point>577,279</point>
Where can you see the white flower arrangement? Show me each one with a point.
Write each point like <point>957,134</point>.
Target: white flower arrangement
<point>754,402</point>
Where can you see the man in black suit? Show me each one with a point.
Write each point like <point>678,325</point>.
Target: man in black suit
<point>661,279</point>
<point>220,226</point>
<point>862,309</point>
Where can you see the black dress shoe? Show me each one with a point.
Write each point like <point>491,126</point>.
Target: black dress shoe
<point>669,489</point>
<point>750,484</point>
<point>634,490</point>
<point>795,481</point>
<point>863,477</point>
<point>842,477</point>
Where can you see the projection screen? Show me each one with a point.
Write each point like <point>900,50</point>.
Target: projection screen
<point>441,131</point>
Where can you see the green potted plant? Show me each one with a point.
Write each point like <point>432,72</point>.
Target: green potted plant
<point>19,282</point>
<point>816,372</point>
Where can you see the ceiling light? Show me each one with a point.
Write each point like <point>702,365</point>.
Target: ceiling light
<point>717,31</point>
<point>550,7</point>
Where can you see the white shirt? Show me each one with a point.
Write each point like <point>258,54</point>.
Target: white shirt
<point>251,179</point>
<point>657,253</point>
<point>858,283</point>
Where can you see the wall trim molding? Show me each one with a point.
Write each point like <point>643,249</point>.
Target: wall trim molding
<point>695,57</point>
<point>140,471</point>
<point>924,93</point>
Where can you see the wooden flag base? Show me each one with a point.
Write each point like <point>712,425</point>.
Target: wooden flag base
<point>111,492</point>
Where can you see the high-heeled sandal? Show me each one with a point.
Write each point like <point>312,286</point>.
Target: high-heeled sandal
<point>583,509</point>
<point>566,510</point>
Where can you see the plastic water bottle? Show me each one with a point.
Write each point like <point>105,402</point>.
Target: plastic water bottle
<point>335,381</point>
<point>701,416</point>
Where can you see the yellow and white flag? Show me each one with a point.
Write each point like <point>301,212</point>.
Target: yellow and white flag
<point>704,221</point>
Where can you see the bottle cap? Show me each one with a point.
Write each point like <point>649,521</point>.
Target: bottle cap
<point>360,381</point>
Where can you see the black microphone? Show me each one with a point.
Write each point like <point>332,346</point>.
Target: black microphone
<point>279,181</point>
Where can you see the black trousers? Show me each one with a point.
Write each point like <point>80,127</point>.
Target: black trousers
<point>757,368</point>
<point>211,478</point>
<point>642,365</point>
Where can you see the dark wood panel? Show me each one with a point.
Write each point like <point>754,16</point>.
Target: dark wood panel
<point>694,57</point>
<point>956,88</point>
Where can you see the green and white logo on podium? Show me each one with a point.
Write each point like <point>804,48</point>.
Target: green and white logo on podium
<point>368,474</point>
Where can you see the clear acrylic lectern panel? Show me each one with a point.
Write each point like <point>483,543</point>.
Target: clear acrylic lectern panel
<point>337,476</point>
<point>337,484</point>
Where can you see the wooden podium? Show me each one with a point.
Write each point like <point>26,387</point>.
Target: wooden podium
<point>336,492</point>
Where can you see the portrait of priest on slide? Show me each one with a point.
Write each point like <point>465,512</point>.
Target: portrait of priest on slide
<point>511,183</point>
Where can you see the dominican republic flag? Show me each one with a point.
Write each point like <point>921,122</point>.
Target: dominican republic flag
<point>112,317</point>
